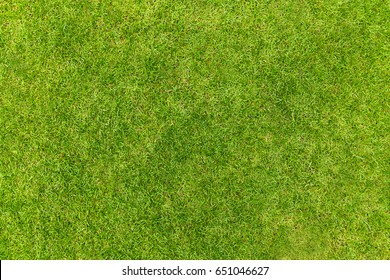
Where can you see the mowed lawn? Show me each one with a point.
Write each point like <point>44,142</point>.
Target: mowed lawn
<point>194,129</point>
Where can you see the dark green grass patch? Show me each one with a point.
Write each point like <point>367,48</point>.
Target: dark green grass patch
<point>194,129</point>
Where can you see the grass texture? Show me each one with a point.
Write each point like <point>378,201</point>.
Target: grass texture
<point>194,129</point>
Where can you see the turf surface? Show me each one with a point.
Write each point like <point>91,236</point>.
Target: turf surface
<point>194,129</point>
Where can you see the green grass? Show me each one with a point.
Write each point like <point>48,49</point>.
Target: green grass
<point>194,129</point>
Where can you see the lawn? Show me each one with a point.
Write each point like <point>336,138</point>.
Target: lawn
<point>194,129</point>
